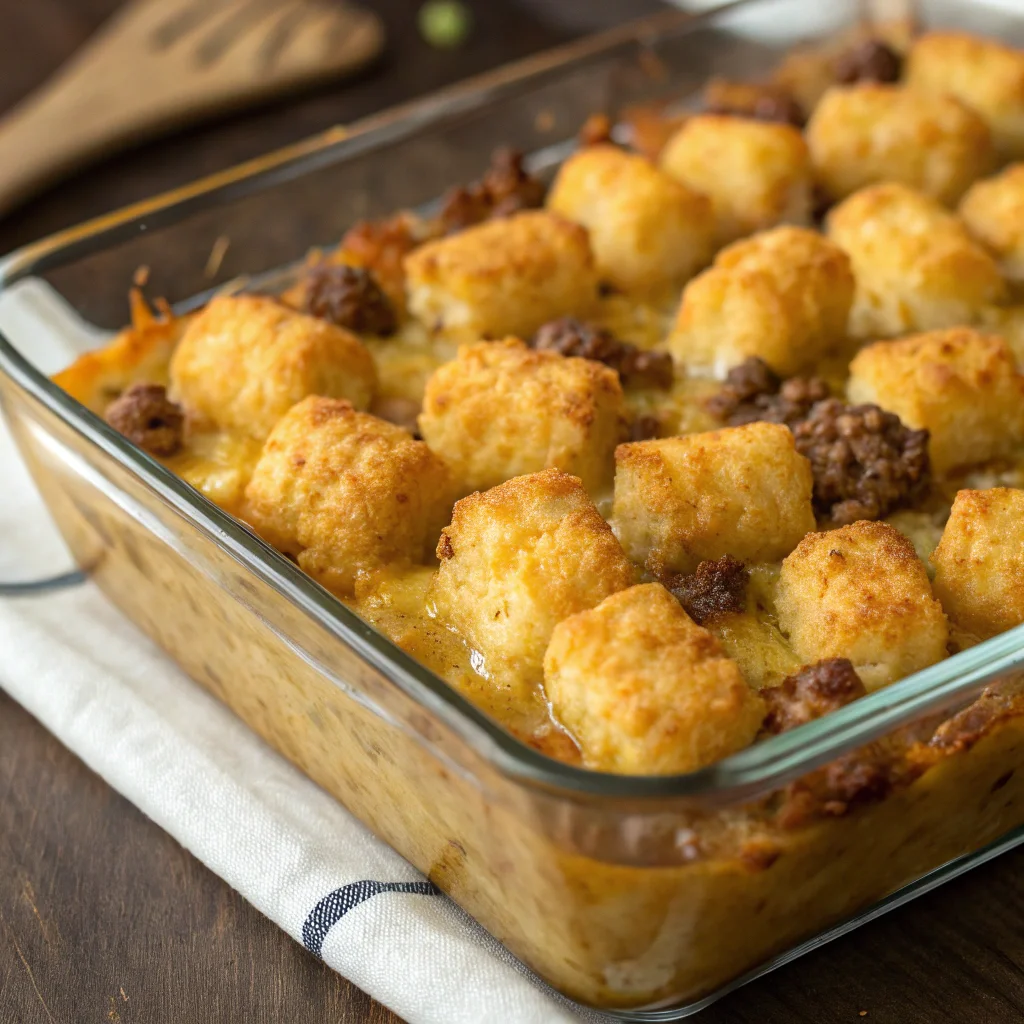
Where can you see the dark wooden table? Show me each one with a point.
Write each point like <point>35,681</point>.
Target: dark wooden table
<point>104,918</point>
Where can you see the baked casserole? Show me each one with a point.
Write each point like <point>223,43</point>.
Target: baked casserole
<point>717,432</point>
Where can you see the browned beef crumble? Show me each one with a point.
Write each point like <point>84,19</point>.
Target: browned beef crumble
<point>874,771</point>
<point>596,130</point>
<point>382,245</point>
<point>571,337</point>
<point>644,428</point>
<point>510,186</point>
<point>463,207</point>
<point>810,693</point>
<point>148,418</point>
<point>753,391</point>
<point>869,61</point>
<point>349,297</point>
<point>854,780</point>
<point>713,588</point>
<point>797,398</point>
<point>821,204</point>
<point>865,462</point>
<point>759,101</point>
<point>744,384</point>
<point>505,188</point>
<point>849,782</point>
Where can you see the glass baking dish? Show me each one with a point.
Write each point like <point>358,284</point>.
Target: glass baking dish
<point>646,896</point>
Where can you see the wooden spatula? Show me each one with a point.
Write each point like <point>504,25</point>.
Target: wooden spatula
<point>162,63</point>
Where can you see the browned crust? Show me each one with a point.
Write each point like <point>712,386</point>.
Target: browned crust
<point>141,351</point>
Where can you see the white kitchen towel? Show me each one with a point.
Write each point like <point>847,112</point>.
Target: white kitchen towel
<point>121,705</point>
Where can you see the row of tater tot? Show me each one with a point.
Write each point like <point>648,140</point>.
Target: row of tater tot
<point>348,494</point>
<point>532,578</point>
<point>530,574</point>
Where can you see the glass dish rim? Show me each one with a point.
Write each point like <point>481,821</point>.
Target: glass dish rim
<point>757,769</point>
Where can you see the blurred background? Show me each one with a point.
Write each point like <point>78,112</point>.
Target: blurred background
<point>425,46</point>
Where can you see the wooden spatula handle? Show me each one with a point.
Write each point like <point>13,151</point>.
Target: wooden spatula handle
<point>45,139</point>
<point>134,79</point>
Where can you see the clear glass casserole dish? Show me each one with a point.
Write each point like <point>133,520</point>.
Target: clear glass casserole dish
<point>646,895</point>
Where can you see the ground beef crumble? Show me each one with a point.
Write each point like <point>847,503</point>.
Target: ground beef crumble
<point>753,391</point>
<point>571,337</point>
<point>821,204</point>
<point>869,61</point>
<point>744,384</point>
<point>865,462</point>
<point>854,780</point>
<point>812,692</point>
<point>349,297</point>
<point>596,130</point>
<point>874,771</point>
<point>505,188</point>
<point>849,782</point>
<point>382,245</point>
<point>644,428</point>
<point>463,207</point>
<point>759,101</point>
<point>713,588</point>
<point>148,418</point>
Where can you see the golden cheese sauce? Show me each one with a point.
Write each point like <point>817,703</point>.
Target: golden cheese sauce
<point>398,604</point>
<point>406,360</point>
<point>753,639</point>
<point>219,464</point>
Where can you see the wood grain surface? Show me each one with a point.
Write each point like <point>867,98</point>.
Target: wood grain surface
<point>104,918</point>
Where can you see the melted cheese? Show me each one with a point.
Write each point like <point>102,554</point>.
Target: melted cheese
<point>397,604</point>
<point>753,639</point>
<point>218,464</point>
